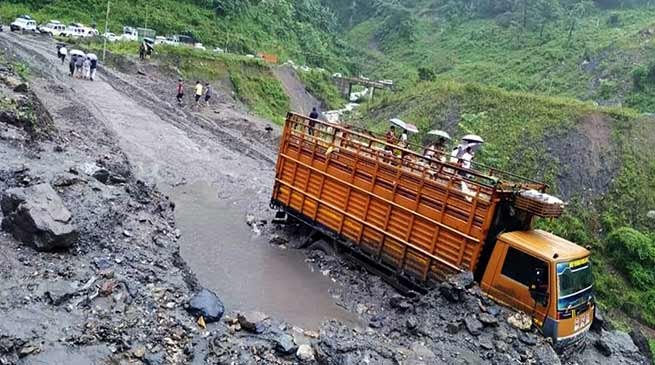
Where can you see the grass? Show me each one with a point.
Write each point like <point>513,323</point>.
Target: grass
<point>319,84</point>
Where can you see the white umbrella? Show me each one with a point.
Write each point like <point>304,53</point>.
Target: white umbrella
<point>473,138</point>
<point>92,56</point>
<point>76,52</point>
<point>438,133</point>
<point>406,126</point>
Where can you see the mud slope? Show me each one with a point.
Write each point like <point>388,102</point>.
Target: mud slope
<point>301,100</point>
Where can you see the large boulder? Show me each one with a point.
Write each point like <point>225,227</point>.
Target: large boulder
<point>205,303</point>
<point>36,215</point>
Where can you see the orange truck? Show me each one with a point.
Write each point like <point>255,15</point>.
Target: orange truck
<point>422,219</point>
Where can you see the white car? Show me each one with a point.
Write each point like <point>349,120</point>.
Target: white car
<point>77,30</point>
<point>160,40</point>
<point>53,28</point>
<point>111,37</point>
<point>24,23</point>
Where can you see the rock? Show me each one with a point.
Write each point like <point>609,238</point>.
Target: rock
<point>102,263</point>
<point>139,352</point>
<point>400,303</point>
<point>527,338</point>
<point>603,347</point>
<point>473,326</point>
<point>642,343</point>
<point>411,323</point>
<point>545,355</point>
<point>486,343</point>
<point>421,354</point>
<point>127,233</point>
<point>453,327</point>
<point>276,239</point>
<point>101,175</point>
<point>650,214</point>
<point>520,320</point>
<point>305,353</point>
<point>21,88</point>
<point>619,342</point>
<point>116,179</point>
<point>27,350</point>
<point>106,288</point>
<point>488,319</point>
<point>600,322</point>
<point>36,215</point>
<point>376,322</point>
<point>252,322</point>
<point>284,343</point>
<point>463,280</point>
<point>57,292</point>
<point>451,294</point>
<point>205,303</point>
<point>154,359</point>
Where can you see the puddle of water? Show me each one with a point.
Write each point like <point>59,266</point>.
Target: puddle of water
<point>244,270</point>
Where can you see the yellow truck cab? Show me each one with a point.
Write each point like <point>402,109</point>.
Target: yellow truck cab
<point>546,276</point>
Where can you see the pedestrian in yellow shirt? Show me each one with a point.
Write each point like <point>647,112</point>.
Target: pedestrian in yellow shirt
<point>198,92</point>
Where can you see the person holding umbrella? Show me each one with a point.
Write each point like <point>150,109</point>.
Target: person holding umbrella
<point>436,149</point>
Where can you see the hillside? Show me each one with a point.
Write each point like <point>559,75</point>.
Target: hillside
<point>601,160</point>
<point>589,53</point>
<point>303,31</point>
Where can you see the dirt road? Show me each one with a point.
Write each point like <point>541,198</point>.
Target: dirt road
<point>215,176</point>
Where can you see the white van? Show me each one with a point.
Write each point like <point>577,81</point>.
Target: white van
<point>53,28</point>
<point>23,24</point>
<point>77,30</point>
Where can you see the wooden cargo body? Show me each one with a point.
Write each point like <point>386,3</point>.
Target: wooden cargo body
<point>422,218</point>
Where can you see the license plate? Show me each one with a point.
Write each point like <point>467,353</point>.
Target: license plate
<point>582,321</point>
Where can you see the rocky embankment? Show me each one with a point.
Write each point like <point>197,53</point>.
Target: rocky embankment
<point>91,273</point>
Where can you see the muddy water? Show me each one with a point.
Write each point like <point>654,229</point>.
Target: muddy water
<point>243,268</point>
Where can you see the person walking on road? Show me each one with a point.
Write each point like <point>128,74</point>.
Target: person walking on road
<point>180,91</point>
<point>71,65</point>
<point>199,90</point>
<point>61,53</point>
<point>79,63</point>
<point>94,66</point>
<point>86,69</point>
<point>209,92</point>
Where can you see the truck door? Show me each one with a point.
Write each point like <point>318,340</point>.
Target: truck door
<point>516,274</point>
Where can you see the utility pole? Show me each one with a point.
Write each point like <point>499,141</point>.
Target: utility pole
<point>104,47</point>
<point>146,26</point>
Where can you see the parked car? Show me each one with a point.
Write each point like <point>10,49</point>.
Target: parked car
<point>53,28</point>
<point>111,37</point>
<point>23,23</point>
<point>77,30</point>
<point>161,40</point>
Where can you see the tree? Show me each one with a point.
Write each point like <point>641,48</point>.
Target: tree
<point>575,10</point>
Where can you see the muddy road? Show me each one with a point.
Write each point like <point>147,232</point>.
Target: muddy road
<point>215,177</point>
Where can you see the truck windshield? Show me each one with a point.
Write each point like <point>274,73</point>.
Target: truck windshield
<point>575,283</point>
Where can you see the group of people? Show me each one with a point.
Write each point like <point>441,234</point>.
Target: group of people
<point>201,93</point>
<point>81,65</point>
<point>436,150</point>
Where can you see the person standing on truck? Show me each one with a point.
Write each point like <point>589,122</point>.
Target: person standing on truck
<point>209,92</point>
<point>312,117</point>
<point>198,89</point>
<point>180,91</point>
<point>390,138</point>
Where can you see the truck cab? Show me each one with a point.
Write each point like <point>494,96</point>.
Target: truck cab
<point>545,276</point>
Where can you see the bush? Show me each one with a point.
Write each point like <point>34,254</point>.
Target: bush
<point>634,254</point>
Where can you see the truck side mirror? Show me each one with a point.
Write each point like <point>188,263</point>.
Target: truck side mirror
<point>539,286</point>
